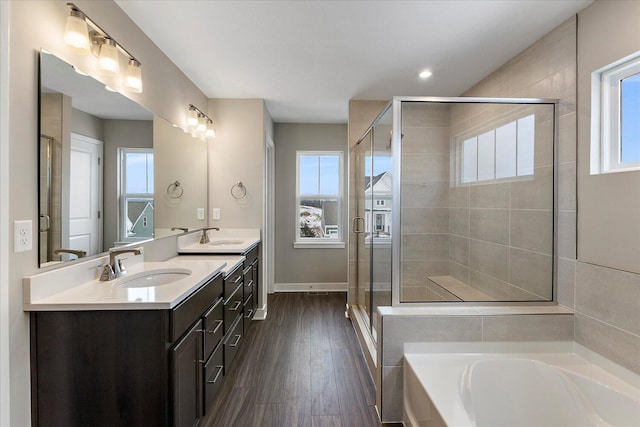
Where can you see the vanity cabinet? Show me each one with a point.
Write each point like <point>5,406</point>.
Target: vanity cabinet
<point>128,367</point>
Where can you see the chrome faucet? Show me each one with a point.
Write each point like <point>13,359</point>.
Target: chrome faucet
<point>183,229</point>
<point>204,239</point>
<point>116,267</point>
<point>78,253</point>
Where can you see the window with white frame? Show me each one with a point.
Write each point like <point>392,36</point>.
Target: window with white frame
<point>615,117</point>
<point>135,194</point>
<point>319,202</point>
<point>504,152</point>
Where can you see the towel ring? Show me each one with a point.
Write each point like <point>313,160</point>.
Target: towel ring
<point>239,191</point>
<point>175,190</point>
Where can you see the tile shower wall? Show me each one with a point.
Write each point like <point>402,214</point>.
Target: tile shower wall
<point>425,199</point>
<point>502,229</point>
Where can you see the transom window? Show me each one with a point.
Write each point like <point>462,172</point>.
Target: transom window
<point>319,198</point>
<point>615,117</point>
<point>504,152</point>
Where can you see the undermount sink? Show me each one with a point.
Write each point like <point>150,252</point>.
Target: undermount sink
<point>225,242</point>
<point>159,277</point>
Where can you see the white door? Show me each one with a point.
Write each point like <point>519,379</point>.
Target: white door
<point>85,194</point>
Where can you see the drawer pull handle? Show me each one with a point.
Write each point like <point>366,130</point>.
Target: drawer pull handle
<point>237,279</point>
<point>217,375</point>
<point>215,329</point>
<point>235,306</point>
<point>250,284</point>
<point>235,344</point>
<point>250,314</point>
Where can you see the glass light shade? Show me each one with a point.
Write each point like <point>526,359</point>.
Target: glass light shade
<point>108,61</point>
<point>76,34</point>
<point>133,77</point>
<point>202,124</point>
<point>192,118</point>
<point>211,132</point>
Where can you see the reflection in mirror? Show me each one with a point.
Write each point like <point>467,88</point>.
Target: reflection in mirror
<point>105,169</point>
<point>180,179</point>
<point>85,132</point>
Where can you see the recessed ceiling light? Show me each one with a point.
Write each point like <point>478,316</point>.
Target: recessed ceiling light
<point>424,74</point>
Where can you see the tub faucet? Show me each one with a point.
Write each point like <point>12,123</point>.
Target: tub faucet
<point>204,239</point>
<point>116,268</point>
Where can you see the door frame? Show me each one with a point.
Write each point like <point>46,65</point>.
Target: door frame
<point>268,227</point>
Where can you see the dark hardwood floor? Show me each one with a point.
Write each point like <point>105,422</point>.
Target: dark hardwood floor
<point>302,367</point>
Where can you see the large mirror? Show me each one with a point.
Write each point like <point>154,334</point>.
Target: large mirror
<point>110,172</point>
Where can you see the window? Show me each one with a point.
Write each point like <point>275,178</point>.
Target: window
<point>615,117</point>
<point>136,194</point>
<point>504,152</point>
<point>319,199</point>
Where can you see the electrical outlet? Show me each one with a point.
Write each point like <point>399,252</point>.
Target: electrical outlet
<point>200,213</point>
<point>216,214</point>
<point>22,236</point>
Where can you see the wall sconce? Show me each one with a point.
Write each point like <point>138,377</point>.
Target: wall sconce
<point>199,125</point>
<point>83,35</point>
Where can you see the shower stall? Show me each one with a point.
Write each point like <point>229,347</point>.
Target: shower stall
<point>455,202</point>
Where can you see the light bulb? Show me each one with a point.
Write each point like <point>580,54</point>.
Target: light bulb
<point>108,61</point>
<point>192,118</point>
<point>211,132</point>
<point>133,77</point>
<point>202,124</point>
<point>76,34</point>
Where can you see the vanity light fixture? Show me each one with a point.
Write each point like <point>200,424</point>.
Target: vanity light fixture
<point>83,35</point>
<point>133,76</point>
<point>108,58</point>
<point>199,124</point>
<point>76,34</point>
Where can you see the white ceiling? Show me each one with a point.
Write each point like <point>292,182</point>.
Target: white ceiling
<point>307,59</point>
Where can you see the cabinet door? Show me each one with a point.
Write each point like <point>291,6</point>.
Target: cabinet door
<point>256,284</point>
<point>186,363</point>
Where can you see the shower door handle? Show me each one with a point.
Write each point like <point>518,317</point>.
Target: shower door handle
<point>44,230</point>
<point>355,224</point>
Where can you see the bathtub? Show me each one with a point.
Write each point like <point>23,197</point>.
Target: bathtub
<point>558,384</point>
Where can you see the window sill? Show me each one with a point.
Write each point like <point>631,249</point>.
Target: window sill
<point>318,245</point>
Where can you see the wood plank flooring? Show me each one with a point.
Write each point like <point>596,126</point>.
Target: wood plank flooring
<point>302,367</point>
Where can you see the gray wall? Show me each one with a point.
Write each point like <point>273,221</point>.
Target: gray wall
<point>603,286</point>
<point>300,266</point>
<point>34,25</point>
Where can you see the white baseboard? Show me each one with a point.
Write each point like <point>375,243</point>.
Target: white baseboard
<point>310,287</point>
<point>261,313</point>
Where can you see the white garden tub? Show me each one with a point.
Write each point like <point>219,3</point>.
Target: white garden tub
<point>557,384</point>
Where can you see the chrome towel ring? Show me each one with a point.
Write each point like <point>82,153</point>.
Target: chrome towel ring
<point>239,191</point>
<point>175,190</point>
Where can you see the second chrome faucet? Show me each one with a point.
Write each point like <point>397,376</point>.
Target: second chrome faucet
<point>116,267</point>
<point>204,239</point>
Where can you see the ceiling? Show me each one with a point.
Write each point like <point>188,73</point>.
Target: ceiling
<point>307,59</point>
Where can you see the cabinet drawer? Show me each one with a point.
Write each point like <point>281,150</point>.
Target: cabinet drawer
<point>251,256</point>
<point>248,313</point>
<point>232,281</point>
<point>232,309</point>
<point>213,374</point>
<point>248,283</point>
<point>183,315</point>
<point>232,343</point>
<point>213,327</point>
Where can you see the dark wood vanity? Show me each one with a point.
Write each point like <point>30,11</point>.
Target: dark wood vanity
<point>141,367</point>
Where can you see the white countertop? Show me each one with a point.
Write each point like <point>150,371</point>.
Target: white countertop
<point>224,241</point>
<point>97,295</point>
<point>232,261</point>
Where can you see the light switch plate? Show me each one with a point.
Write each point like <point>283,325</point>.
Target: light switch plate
<point>200,213</point>
<point>22,233</point>
<point>216,213</point>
